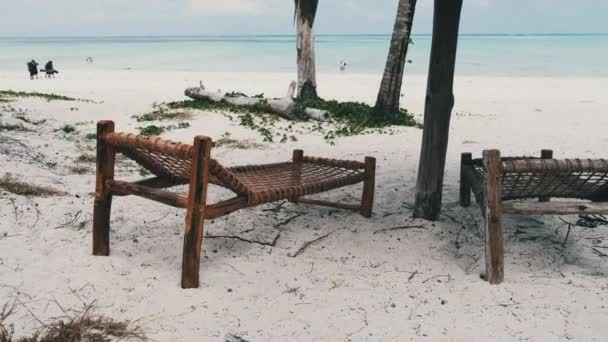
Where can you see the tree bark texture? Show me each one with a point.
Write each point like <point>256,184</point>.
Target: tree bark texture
<point>438,109</point>
<point>305,11</point>
<point>389,94</point>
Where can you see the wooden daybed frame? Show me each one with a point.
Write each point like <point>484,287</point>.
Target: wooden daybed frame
<point>495,181</point>
<point>175,163</point>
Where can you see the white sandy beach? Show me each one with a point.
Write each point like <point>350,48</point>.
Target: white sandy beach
<point>359,284</point>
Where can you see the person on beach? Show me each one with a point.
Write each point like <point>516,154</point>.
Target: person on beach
<point>49,70</point>
<point>343,64</point>
<point>32,67</point>
<point>89,60</point>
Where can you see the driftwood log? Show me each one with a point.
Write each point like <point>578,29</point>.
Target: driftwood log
<point>284,106</point>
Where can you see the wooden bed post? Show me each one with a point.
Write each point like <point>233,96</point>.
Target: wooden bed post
<point>103,195</point>
<point>492,198</point>
<point>297,157</point>
<point>195,217</point>
<point>367,200</point>
<point>465,185</point>
<point>545,154</point>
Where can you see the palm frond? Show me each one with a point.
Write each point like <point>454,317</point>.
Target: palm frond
<point>308,9</point>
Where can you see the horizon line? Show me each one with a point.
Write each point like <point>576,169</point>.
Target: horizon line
<point>292,34</point>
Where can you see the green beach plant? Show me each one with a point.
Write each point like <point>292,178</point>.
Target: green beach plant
<point>48,97</point>
<point>68,129</point>
<point>162,112</point>
<point>154,130</point>
<point>349,118</point>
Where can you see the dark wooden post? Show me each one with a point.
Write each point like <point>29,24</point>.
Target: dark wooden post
<point>492,197</point>
<point>465,186</point>
<point>438,109</point>
<point>103,196</point>
<point>545,154</point>
<point>297,156</point>
<point>195,216</point>
<point>367,200</point>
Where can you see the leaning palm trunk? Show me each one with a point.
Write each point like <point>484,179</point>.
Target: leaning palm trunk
<point>305,11</point>
<point>390,88</point>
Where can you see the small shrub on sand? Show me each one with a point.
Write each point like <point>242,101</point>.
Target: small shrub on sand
<point>356,116</point>
<point>151,130</point>
<point>18,187</point>
<point>158,130</point>
<point>91,136</point>
<point>74,326</point>
<point>259,108</point>
<point>226,141</point>
<point>162,112</point>
<point>86,158</point>
<point>15,128</point>
<point>67,129</point>
<point>79,170</point>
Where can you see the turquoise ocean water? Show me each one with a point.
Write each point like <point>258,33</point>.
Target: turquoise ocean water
<point>503,55</point>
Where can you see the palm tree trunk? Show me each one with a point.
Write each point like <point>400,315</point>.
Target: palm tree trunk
<point>437,109</point>
<point>390,88</point>
<point>305,11</point>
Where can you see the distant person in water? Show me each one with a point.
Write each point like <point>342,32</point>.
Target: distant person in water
<point>343,64</point>
<point>32,67</point>
<point>49,70</point>
<point>89,60</point>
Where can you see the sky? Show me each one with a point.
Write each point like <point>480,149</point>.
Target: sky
<point>217,17</point>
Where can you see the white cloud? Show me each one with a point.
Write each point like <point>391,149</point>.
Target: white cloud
<point>238,7</point>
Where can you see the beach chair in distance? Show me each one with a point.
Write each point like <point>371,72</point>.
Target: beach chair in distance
<point>177,164</point>
<point>49,70</point>
<point>501,184</point>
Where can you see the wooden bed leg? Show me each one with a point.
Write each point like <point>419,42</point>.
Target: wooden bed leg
<point>367,200</point>
<point>492,188</point>
<point>297,157</point>
<point>545,154</point>
<point>465,186</point>
<point>195,217</point>
<point>103,196</point>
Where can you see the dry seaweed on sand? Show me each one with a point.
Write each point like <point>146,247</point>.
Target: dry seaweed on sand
<point>75,325</point>
<point>20,187</point>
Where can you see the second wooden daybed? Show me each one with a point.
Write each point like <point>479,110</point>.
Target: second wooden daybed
<point>175,163</point>
<point>498,182</point>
